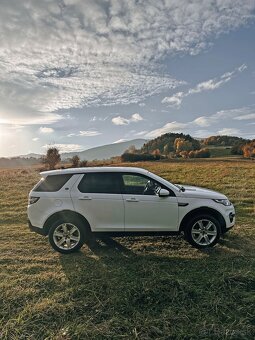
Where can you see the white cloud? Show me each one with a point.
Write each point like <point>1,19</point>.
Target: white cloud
<point>206,121</point>
<point>141,133</point>
<point>57,55</point>
<point>135,118</point>
<point>169,127</point>
<point>202,121</point>
<point>120,141</point>
<point>229,131</point>
<point>246,117</point>
<point>89,133</point>
<point>174,100</point>
<point>64,147</point>
<point>46,130</point>
<point>35,139</point>
<point>209,85</point>
<point>120,121</point>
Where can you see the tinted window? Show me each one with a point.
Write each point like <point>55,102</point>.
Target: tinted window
<point>53,183</point>
<point>100,182</point>
<point>139,185</point>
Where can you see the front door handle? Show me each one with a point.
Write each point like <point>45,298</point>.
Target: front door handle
<point>132,199</point>
<point>85,198</point>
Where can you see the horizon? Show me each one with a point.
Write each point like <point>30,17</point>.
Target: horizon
<point>81,74</point>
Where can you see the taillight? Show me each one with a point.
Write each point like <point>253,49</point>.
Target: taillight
<point>33,199</point>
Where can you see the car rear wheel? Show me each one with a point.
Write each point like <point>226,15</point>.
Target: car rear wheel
<point>203,231</point>
<point>67,236</point>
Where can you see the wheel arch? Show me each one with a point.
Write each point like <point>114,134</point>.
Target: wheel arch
<point>63,214</point>
<point>203,210</point>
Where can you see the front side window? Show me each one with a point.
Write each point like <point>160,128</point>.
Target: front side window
<point>136,184</point>
<point>100,183</point>
<point>52,183</point>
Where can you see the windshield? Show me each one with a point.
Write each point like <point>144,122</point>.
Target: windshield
<point>162,178</point>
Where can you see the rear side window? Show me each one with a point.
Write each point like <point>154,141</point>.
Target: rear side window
<point>100,183</point>
<point>53,183</point>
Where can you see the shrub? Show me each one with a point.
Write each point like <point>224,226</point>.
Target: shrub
<point>75,161</point>
<point>52,158</point>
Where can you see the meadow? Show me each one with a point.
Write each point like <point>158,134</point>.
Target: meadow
<point>130,288</point>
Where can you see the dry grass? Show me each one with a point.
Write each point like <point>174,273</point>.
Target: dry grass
<point>130,288</point>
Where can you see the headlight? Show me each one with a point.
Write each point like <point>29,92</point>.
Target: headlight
<point>223,201</point>
<point>33,199</point>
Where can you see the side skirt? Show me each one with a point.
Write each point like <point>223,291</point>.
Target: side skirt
<point>135,233</point>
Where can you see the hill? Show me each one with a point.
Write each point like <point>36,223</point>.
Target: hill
<point>165,143</point>
<point>224,140</point>
<point>105,151</point>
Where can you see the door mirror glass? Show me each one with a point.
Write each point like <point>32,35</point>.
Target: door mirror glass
<point>163,193</point>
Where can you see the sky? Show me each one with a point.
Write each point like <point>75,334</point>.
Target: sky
<point>78,74</point>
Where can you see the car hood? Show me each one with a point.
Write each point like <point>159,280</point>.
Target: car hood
<point>197,192</point>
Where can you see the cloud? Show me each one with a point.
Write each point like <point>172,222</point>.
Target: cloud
<point>209,85</point>
<point>246,116</point>
<point>57,55</point>
<point>229,131</point>
<point>89,133</point>
<point>135,118</point>
<point>120,141</point>
<point>169,127</point>
<point>46,130</point>
<point>206,121</point>
<point>35,139</point>
<point>141,133</point>
<point>64,147</point>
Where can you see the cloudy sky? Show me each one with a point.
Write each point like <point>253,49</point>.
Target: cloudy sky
<point>80,73</point>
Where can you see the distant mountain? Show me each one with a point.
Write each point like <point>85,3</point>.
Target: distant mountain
<point>30,155</point>
<point>105,151</point>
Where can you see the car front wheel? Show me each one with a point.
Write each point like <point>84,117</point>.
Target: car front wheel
<point>203,231</point>
<point>66,236</point>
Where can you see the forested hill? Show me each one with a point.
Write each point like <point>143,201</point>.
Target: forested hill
<point>224,140</point>
<point>165,143</point>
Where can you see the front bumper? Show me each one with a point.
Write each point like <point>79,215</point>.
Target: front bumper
<point>230,221</point>
<point>37,230</point>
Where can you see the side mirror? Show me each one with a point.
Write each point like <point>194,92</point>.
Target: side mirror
<point>163,193</point>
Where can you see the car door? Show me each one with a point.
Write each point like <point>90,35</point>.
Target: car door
<point>98,198</point>
<point>144,209</point>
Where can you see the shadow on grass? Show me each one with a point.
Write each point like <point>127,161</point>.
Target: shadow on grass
<point>156,293</point>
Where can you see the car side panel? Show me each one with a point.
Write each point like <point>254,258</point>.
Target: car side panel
<point>104,212</point>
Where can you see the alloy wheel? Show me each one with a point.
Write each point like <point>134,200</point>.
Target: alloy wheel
<point>66,236</point>
<point>204,232</point>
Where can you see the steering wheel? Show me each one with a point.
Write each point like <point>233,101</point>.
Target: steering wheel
<point>150,188</point>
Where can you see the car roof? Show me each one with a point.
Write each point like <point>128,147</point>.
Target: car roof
<point>93,169</point>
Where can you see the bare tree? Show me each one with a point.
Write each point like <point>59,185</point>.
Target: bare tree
<point>75,161</point>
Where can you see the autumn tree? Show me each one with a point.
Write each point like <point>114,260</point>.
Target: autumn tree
<point>249,149</point>
<point>52,158</point>
<point>180,144</point>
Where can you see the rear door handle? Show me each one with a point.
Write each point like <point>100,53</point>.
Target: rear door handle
<point>132,199</point>
<point>85,198</point>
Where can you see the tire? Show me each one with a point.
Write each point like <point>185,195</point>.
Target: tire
<point>203,231</point>
<point>67,235</point>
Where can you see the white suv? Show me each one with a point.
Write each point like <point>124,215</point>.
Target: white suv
<point>72,204</point>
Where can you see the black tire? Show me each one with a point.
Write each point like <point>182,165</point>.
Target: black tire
<point>80,234</point>
<point>194,230</point>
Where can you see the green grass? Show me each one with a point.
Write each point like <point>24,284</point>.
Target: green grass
<point>130,288</point>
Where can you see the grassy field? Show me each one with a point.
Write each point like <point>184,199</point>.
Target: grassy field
<point>132,288</point>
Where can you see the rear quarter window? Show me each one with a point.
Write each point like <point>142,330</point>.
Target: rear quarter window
<point>52,183</point>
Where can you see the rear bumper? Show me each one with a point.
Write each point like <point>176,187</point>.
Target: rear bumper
<point>37,230</point>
